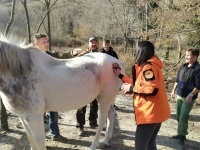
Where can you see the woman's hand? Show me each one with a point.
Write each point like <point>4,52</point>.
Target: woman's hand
<point>116,68</point>
<point>126,88</point>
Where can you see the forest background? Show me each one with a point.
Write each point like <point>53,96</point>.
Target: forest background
<point>172,25</point>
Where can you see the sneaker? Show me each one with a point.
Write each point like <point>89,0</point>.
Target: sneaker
<point>93,126</point>
<point>60,138</point>
<point>80,132</point>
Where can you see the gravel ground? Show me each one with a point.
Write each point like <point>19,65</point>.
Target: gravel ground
<point>123,135</point>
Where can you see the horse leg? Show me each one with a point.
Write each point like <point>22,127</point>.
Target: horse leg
<point>28,133</point>
<point>102,120</point>
<point>109,127</point>
<point>34,126</point>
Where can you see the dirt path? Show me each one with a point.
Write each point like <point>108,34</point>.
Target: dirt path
<point>123,136</point>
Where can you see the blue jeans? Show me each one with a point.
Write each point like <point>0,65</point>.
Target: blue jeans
<point>53,124</point>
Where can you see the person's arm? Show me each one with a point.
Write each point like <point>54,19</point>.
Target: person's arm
<point>126,79</point>
<point>149,81</point>
<point>127,87</point>
<point>175,85</point>
<point>174,90</point>
<point>66,55</point>
<point>190,96</point>
<point>196,89</point>
<point>194,92</point>
<point>83,52</point>
<point>117,71</point>
<point>70,54</point>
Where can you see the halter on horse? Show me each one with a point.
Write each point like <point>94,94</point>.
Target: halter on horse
<point>32,82</point>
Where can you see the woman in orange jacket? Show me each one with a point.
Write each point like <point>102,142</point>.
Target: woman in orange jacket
<point>149,96</point>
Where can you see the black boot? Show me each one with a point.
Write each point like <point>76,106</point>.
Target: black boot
<point>177,137</point>
<point>181,141</point>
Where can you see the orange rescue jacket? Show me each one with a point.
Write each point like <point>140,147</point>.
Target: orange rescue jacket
<point>150,98</point>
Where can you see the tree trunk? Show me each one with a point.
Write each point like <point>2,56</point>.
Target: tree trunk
<point>4,116</point>
<point>11,17</point>
<point>179,47</point>
<point>27,20</point>
<point>48,21</point>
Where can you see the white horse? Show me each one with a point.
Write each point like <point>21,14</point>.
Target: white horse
<point>32,82</point>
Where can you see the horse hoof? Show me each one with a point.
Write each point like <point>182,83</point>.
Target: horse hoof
<point>102,145</point>
<point>91,148</point>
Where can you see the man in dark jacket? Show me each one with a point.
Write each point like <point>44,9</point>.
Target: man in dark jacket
<point>80,114</point>
<point>41,41</point>
<point>187,85</point>
<point>109,50</point>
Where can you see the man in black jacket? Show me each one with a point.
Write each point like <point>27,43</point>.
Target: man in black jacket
<point>93,115</point>
<point>109,50</point>
<point>187,86</point>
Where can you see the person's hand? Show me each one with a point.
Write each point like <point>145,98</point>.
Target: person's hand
<point>188,100</point>
<point>76,51</point>
<point>88,50</point>
<point>173,94</point>
<point>126,89</point>
<point>116,68</point>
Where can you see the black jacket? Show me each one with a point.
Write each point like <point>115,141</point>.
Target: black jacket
<point>110,52</point>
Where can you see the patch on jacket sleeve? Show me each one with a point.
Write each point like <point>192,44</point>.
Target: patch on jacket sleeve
<point>149,75</point>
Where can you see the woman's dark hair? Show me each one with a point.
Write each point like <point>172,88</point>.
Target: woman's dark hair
<point>144,52</point>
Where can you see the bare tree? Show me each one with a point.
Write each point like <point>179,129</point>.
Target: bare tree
<point>48,10</point>
<point>125,24</point>
<point>49,21</point>
<point>11,17</point>
<point>27,19</point>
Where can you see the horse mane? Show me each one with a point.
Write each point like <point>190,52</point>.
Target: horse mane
<point>14,56</point>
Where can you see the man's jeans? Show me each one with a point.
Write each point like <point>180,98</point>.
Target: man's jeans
<point>53,124</point>
<point>182,114</point>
